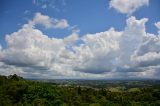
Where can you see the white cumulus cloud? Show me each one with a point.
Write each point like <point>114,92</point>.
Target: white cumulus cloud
<point>127,6</point>
<point>48,22</point>
<point>131,52</point>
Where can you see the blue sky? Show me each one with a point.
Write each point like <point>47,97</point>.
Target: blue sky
<point>90,16</point>
<point>80,38</point>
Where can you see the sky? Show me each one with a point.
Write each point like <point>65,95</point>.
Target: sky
<point>80,38</point>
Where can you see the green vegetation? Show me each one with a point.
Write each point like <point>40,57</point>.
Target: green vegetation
<point>16,91</point>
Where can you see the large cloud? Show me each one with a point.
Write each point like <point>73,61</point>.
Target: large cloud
<point>108,54</point>
<point>128,6</point>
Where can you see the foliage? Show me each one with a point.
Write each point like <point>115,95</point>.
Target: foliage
<point>16,91</point>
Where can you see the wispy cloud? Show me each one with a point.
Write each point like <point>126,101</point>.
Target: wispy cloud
<point>48,22</point>
<point>26,12</point>
<point>57,5</point>
<point>74,29</point>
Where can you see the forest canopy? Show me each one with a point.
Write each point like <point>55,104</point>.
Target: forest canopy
<point>16,91</point>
